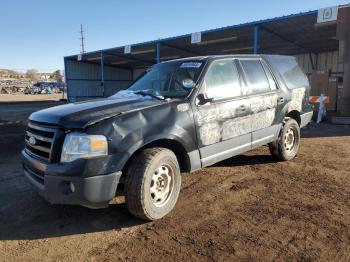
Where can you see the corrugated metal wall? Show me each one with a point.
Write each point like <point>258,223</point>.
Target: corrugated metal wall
<point>138,72</point>
<point>325,61</point>
<point>84,80</point>
<point>321,82</point>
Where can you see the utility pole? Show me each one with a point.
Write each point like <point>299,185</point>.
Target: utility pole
<point>82,39</point>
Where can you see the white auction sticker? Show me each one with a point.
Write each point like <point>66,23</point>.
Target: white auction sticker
<point>191,65</point>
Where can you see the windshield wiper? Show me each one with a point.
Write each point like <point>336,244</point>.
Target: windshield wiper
<point>143,93</point>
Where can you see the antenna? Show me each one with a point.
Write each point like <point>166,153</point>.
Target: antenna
<point>82,39</point>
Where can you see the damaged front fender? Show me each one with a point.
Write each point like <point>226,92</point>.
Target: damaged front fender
<point>130,131</point>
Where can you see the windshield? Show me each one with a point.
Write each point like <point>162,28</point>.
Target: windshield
<point>165,79</point>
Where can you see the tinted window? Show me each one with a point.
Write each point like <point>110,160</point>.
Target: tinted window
<point>256,77</point>
<point>222,80</point>
<point>290,71</point>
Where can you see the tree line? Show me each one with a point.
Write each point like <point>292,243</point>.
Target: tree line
<point>31,74</point>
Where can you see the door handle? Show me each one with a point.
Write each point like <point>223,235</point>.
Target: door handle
<point>241,108</point>
<point>280,100</point>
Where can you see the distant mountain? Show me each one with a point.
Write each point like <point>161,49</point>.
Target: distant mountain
<point>7,73</point>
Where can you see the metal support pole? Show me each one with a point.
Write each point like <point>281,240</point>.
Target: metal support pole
<point>158,52</point>
<point>313,64</point>
<point>102,75</point>
<point>343,35</point>
<point>66,79</point>
<point>256,39</point>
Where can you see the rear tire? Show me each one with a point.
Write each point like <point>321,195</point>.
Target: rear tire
<point>287,145</point>
<point>153,182</point>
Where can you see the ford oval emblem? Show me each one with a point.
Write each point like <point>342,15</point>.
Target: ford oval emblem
<point>32,140</point>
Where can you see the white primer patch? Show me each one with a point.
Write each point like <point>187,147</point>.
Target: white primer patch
<point>206,115</point>
<point>209,133</point>
<point>227,110</point>
<point>263,119</point>
<point>297,99</point>
<point>235,127</point>
<point>183,107</point>
<point>260,103</point>
<point>219,123</point>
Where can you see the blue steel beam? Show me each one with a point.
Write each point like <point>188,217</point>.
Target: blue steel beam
<point>66,77</point>
<point>256,38</point>
<point>102,75</point>
<point>158,52</point>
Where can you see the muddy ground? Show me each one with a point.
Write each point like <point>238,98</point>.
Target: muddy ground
<point>246,208</point>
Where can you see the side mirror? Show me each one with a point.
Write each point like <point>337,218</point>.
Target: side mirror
<point>201,100</point>
<point>187,83</point>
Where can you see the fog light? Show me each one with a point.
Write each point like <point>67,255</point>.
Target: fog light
<point>72,187</point>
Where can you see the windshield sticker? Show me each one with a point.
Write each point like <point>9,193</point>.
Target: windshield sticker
<point>191,65</point>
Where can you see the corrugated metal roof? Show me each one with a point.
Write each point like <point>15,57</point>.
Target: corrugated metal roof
<point>291,34</point>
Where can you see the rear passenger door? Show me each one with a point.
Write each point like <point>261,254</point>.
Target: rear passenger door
<point>263,98</point>
<point>223,124</point>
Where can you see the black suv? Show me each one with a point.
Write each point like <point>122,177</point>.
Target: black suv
<point>180,116</point>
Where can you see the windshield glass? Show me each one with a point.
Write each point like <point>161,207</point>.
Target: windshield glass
<point>165,79</point>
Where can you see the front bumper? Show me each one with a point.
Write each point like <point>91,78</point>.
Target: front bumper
<point>305,118</point>
<point>68,186</point>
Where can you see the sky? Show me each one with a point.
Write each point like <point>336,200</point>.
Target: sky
<point>39,33</point>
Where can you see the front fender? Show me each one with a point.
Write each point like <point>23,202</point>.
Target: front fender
<point>122,157</point>
<point>144,142</point>
<point>132,131</point>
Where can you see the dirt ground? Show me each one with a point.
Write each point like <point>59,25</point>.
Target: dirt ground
<point>27,98</point>
<point>246,208</point>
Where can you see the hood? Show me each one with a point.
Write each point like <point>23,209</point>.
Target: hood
<point>83,114</point>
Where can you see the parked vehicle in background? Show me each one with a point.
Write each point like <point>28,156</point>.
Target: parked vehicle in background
<point>182,115</point>
<point>49,84</point>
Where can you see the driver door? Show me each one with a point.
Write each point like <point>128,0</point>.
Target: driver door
<point>222,113</point>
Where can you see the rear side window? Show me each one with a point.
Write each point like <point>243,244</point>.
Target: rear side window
<point>255,76</point>
<point>289,70</point>
<point>222,80</point>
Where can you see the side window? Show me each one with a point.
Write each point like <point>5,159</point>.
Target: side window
<point>256,77</point>
<point>222,80</point>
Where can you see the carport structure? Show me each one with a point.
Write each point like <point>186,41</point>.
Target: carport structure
<point>316,45</point>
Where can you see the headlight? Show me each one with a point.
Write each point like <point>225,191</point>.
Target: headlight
<point>79,145</point>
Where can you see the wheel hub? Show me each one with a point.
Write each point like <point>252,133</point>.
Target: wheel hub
<point>161,185</point>
<point>289,139</point>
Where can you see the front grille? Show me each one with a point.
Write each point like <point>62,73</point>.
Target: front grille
<point>39,140</point>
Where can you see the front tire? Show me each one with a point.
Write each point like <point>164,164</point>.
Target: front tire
<point>153,182</point>
<point>288,143</point>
